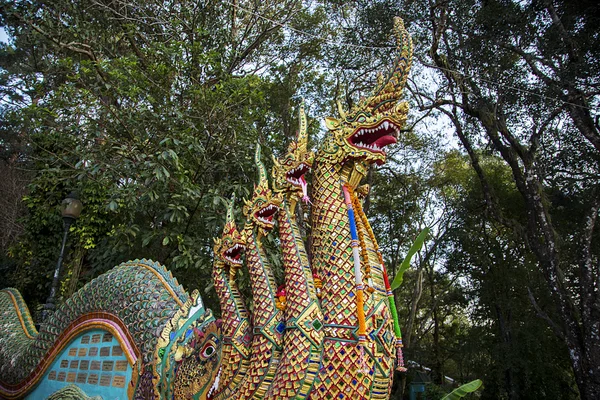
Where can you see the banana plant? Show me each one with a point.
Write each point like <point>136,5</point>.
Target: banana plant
<point>416,246</point>
<point>463,390</point>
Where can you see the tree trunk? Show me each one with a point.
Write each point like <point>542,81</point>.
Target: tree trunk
<point>437,374</point>
<point>578,313</point>
<point>506,343</point>
<point>407,336</point>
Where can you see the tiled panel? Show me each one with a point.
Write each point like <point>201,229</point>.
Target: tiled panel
<point>95,362</point>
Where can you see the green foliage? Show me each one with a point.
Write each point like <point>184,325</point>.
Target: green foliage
<point>145,124</point>
<point>152,114</point>
<point>463,390</point>
<point>405,265</point>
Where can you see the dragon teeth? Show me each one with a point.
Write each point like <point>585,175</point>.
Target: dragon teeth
<point>384,126</point>
<point>215,385</point>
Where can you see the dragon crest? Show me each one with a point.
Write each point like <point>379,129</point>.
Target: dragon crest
<point>375,122</point>
<point>263,205</point>
<point>231,245</point>
<point>289,171</point>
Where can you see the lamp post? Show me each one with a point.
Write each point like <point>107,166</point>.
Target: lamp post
<point>70,209</point>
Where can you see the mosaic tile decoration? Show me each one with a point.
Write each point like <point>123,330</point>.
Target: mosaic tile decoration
<point>95,362</point>
<point>328,332</point>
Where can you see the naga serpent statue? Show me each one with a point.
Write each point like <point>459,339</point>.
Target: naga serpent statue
<point>330,331</point>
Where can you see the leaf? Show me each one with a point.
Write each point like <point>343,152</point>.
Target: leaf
<point>416,246</point>
<point>463,390</point>
<point>165,241</point>
<point>112,205</point>
<point>146,240</point>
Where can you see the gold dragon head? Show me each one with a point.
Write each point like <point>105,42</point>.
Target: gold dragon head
<point>231,245</point>
<point>188,353</point>
<point>198,359</point>
<point>288,171</point>
<point>264,205</point>
<point>375,122</point>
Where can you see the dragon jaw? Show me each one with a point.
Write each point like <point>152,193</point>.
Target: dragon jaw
<point>362,135</point>
<point>371,140</point>
<point>289,171</point>
<point>231,245</point>
<point>264,204</point>
<point>265,215</point>
<point>233,254</point>
<point>296,178</point>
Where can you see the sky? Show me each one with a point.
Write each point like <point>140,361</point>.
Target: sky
<point>3,37</point>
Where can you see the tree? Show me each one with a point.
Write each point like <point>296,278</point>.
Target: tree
<point>507,343</point>
<point>486,50</point>
<point>143,109</point>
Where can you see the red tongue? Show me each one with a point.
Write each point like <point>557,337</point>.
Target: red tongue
<point>385,140</point>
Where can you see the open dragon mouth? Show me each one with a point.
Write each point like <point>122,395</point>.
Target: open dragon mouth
<point>375,138</point>
<point>215,386</point>
<point>265,215</point>
<point>234,254</point>
<point>296,177</point>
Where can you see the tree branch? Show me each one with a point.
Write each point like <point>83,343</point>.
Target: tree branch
<point>572,47</point>
<point>555,328</point>
<point>587,290</point>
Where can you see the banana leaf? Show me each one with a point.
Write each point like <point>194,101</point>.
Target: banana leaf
<point>416,246</point>
<point>463,390</point>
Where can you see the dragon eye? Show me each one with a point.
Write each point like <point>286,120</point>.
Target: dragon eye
<point>208,350</point>
<point>361,119</point>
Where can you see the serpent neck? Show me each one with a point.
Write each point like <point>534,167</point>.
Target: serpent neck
<point>235,354</point>
<point>332,254</point>
<point>267,322</point>
<point>304,332</point>
<point>333,260</point>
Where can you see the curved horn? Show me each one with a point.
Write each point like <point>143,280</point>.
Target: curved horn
<point>276,162</point>
<point>230,218</point>
<point>340,109</point>
<point>390,90</point>
<point>230,215</point>
<point>262,172</point>
<point>302,132</point>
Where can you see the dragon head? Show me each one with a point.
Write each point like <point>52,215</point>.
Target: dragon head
<point>288,171</point>
<point>199,359</point>
<point>231,245</point>
<point>375,122</point>
<point>188,353</point>
<point>263,206</point>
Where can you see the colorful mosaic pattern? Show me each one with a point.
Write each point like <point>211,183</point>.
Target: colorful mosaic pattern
<point>267,320</point>
<point>303,337</point>
<point>95,362</point>
<point>71,392</point>
<point>237,336</point>
<point>188,353</point>
<point>329,332</point>
<point>116,303</point>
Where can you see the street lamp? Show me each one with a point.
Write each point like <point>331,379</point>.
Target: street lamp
<point>70,209</point>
